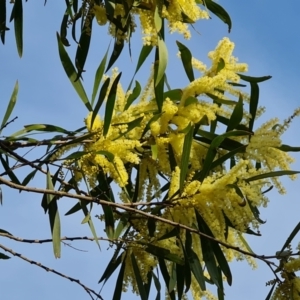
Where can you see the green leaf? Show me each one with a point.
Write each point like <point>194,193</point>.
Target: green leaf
<point>211,153</point>
<point>174,232</point>
<point>109,221</point>
<point>83,45</point>
<point>119,283</point>
<point>142,57</point>
<point>118,47</point>
<point>122,225</point>
<point>207,250</point>
<point>151,225</point>
<point>186,153</point>
<point>4,256</point>
<point>239,192</point>
<point>76,207</point>
<point>147,285</point>
<point>166,276</point>
<point>109,109</point>
<point>271,174</point>
<point>3,27</point>
<point>100,101</point>
<point>135,93</point>
<point>53,218</point>
<point>17,16</point>
<point>8,170</point>
<point>11,105</point>
<point>236,116</point>
<point>157,19</point>
<point>271,291</point>
<point>72,74</point>
<point>180,280</point>
<point>28,178</point>
<point>63,28</point>
<point>162,61</point>
<point>153,119</point>
<point>219,11</point>
<point>173,279</point>
<point>243,240</point>
<point>287,148</point>
<point>196,269</point>
<point>157,286</point>
<point>75,155</point>
<point>186,58</point>
<point>4,231</point>
<point>98,76</point>
<point>254,79</point>
<point>221,65</point>
<point>173,95</point>
<point>290,238</point>
<point>163,253</point>
<point>254,97</point>
<point>131,125</point>
<point>111,267</point>
<point>138,278</point>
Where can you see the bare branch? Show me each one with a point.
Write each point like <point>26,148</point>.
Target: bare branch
<point>87,289</point>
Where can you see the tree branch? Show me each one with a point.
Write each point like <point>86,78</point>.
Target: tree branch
<point>87,289</point>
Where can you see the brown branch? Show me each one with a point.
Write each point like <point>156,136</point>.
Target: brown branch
<point>127,207</point>
<point>87,289</point>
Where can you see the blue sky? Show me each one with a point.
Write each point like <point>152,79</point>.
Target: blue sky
<point>266,37</point>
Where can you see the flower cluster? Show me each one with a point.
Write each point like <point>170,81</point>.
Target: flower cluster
<point>178,13</point>
<point>226,197</point>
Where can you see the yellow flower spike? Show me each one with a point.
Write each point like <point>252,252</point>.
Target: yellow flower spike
<point>100,14</point>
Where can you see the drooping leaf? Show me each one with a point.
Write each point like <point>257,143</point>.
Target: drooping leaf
<point>29,177</point>
<point>166,276</point>
<point>8,170</point>
<point>111,267</point>
<point>291,237</point>
<point>271,174</point>
<point>98,76</point>
<point>174,232</point>
<point>72,74</point>
<point>287,148</point>
<point>221,65</point>
<point>163,253</point>
<point>142,57</point>
<point>110,104</point>
<point>84,45</point>
<point>186,153</point>
<point>254,79</point>
<point>109,221</point>
<point>4,256</point>
<point>3,27</point>
<point>135,93</point>
<point>254,97</point>
<point>101,99</point>
<point>179,280</point>
<point>118,47</point>
<point>217,251</point>
<point>138,278</point>
<point>162,61</point>
<point>212,152</point>
<point>186,58</point>
<point>17,16</point>
<point>219,11</point>
<point>11,105</point>
<point>236,116</point>
<point>53,218</point>
<point>64,30</point>
<point>119,283</point>
<point>157,286</point>
<point>271,291</point>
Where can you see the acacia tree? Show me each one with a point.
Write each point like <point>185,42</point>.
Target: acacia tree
<point>180,173</point>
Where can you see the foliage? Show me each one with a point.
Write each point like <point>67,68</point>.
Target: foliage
<point>180,173</point>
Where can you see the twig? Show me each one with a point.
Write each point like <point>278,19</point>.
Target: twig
<point>7,123</point>
<point>87,289</point>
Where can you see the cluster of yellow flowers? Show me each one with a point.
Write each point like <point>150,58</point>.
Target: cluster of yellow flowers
<point>178,13</point>
<point>224,194</point>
